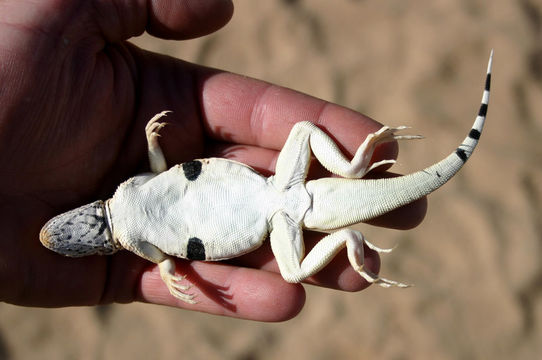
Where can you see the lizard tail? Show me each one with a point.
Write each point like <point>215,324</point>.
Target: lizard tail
<point>374,197</point>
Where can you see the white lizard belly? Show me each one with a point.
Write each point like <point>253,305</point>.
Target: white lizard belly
<point>215,212</point>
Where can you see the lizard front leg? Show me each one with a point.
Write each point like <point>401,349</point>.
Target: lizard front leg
<point>157,160</point>
<point>286,243</point>
<point>166,265</point>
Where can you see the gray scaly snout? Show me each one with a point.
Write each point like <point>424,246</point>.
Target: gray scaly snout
<point>80,232</point>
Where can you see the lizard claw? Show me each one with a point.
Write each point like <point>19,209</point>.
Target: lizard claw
<point>386,133</point>
<point>379,249</point>
<point>175,282</point>
<point>153,126</point>
<point>380,163</point>
<point>178,290</point>
<point>374,279</point>
<point>187,298</point>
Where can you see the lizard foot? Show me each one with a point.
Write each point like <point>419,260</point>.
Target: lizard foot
<point>354,247</point>
<point>173,282</point>
<point>178,290</point>
<point>153,126</point>
<point>157,160</point>
<point>360,162</point>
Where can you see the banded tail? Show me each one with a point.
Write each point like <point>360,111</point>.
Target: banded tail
<point>375,197</point>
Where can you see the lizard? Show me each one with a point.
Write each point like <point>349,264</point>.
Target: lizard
<point>214,209</point>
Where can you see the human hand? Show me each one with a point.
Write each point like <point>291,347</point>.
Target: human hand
<point>74,100</point>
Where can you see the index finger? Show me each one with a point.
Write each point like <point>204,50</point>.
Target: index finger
<point>246,111</point>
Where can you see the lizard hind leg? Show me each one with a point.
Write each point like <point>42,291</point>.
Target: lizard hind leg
<point>286,243</point>
<point>293,161</point>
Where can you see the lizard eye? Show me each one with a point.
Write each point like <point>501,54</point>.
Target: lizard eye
<point>79,232</point>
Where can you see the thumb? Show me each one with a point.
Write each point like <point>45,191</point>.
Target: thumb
<point>119,20</point>
<point>187,18</point>
<point>168,19</point>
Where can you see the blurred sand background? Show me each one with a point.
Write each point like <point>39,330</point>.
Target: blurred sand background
<point>475,260</point>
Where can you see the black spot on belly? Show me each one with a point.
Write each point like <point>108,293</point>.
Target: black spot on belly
<point>192,169</point>
<point>195,249</point>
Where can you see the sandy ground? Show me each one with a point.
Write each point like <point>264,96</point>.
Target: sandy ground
<point>475,260</point>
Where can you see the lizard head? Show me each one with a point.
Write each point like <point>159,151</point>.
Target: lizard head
<point>80,232</point>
